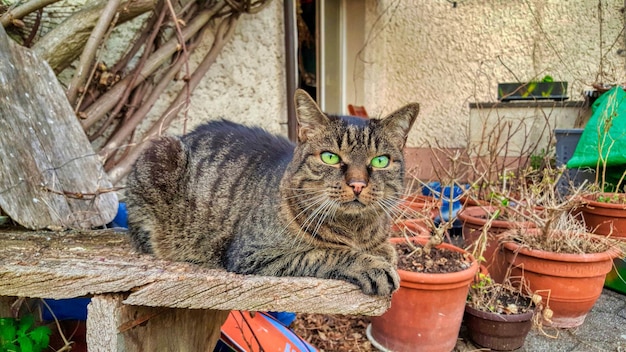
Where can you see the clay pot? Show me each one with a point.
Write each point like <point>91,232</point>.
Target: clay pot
<point>604,218</point>
<point>468,201</point>
<point>571,282</point>
<point>607,219</point>
<point>426,312</point>
<point>474,219</point>
<point>420,204</point>
<point>414,227</point>
<point>500,332</point>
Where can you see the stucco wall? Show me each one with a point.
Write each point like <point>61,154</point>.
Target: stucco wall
<point>247,83</point>
<point>428,51</point>
<point>445,57</point>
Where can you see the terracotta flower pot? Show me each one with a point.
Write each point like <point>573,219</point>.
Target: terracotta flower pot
<point>414,227</point>
<point>573,281</point>
<point>607,219</point>
<point>426,312</point>
<point>500,332</point>
<point>468,201</point>
<point>474,219</point>
<point>603,218</point>
<point>420,204</point>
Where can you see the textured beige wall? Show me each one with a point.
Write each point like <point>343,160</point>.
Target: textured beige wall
<point>426,51</point>
<point>247,83</point>
<point>445,57</point>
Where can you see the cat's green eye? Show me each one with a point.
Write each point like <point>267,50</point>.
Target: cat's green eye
<point>380,161</point>
<point>330,158</point>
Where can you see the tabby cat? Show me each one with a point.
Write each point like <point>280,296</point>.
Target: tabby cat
<point>240,198</point>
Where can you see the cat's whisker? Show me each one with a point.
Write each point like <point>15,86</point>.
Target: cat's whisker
<point>305,202</point>
<point>317,212</point>
<point>308,204</point>
<point>404,211</point>
<point>387,208</point>
<point>324,214</point>
<point>335,208</point>
<point>302,188</point>
<point>393,209</point>
<point>317,217</point>
<point>381,204</point>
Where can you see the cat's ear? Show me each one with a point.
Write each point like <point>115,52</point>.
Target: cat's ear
<point>398,124</point>
<point>311,119</point>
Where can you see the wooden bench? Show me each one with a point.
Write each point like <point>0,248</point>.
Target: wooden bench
<point>140,303</point>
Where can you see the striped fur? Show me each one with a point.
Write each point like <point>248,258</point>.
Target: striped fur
<point>237,197</point>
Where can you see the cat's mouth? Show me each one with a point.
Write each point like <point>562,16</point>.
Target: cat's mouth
<point>355,203</point>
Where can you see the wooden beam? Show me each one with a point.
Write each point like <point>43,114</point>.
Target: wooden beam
<point>84,263</point>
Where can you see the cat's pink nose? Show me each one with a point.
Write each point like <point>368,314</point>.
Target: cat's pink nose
<point>357,186</point>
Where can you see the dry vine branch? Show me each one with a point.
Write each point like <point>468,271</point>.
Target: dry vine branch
<point>495,159</point>
<point>114,99</point>
<point>141,88</point>
<point>224,33</point>
<point>89,53</point>
<point>23,10</point>
<point>62,45</point>
<point>157,59</point>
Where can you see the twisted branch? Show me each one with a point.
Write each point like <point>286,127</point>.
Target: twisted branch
<point>89,53</point>
<point>113,101</point>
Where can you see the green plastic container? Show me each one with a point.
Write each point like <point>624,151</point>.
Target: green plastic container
<point>616,278</point>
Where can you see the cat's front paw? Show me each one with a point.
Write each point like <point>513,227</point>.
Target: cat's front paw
<point>376,277</point>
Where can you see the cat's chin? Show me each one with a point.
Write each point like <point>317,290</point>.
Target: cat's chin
<point>354,207</point>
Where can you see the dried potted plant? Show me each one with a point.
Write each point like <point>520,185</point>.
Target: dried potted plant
<point>426,312</point>
<point>605,214</point>
<point>558,258</point>
<point>601,147</point>
<point>499,316</point>
<point>497,217</point>
<point>487,222</point>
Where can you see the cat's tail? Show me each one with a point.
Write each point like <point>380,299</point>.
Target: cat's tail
<point>153,187</point>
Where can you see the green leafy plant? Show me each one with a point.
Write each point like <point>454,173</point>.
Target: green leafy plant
<point>612,198</point>
<point>532,85</point>
<point>21,335</point>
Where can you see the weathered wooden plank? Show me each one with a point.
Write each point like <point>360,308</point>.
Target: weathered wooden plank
<point>114,326</point>
<point>103,321</point>
<point>50,177</point>
<point>79,263</point>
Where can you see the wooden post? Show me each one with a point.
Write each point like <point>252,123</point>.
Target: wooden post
<point>5,306</point>
<point>114,326</point>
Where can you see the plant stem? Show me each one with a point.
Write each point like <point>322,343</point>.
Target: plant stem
<point>23,10</point>
<point>83,72</point>
<point>158,58</point>
<point>225,31</point>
